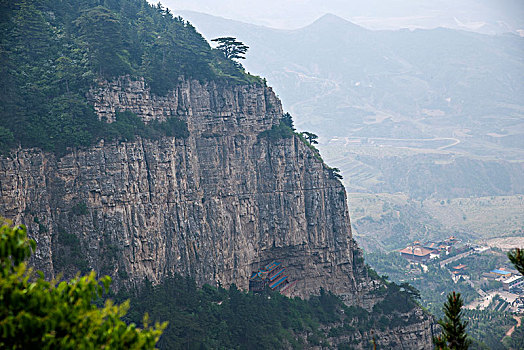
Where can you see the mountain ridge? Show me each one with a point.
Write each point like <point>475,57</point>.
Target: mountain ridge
<point>331,20</point>
<point>489,17</point>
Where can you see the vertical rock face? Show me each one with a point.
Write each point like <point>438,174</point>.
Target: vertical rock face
<point>215,205</point>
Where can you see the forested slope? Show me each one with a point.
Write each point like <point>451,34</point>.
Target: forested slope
<point>52,52</point>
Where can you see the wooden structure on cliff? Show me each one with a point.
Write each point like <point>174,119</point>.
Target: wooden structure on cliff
<point>273,276</point>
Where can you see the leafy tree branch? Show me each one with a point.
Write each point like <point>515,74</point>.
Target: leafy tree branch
<point>37,314</point>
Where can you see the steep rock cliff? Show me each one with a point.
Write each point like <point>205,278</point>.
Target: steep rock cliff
<point>215,205</point>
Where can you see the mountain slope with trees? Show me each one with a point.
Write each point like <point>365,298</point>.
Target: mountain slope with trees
<point>195,206</point>
<point>218,318</point>
<point>52,52</point>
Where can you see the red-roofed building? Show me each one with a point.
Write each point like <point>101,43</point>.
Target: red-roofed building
<point>458,272</point>
<point>416,253</point>
<point>431,245</point>
<point>459,269</point>
<point>271,275</point>
<point>435,251</point>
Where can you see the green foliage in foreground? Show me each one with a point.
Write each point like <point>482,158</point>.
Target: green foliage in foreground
<point>454,335</point>
<point>53,52</point>
<point>216,318</point>
<point>36,314</point>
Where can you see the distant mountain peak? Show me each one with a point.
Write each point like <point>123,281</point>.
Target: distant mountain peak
<point>330,17</point>
<point>330,20</point>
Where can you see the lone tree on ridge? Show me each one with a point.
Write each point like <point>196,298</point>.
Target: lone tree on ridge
<point>310,137</point>
<point>231,47</point>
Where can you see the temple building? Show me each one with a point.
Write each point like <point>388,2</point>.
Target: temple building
<point>270,276</point>
<point>416,253</point>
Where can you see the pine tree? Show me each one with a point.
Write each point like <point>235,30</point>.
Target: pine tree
<point>231,47</point>
<point>517,259</point>
<point>101,30</point>
<point>454,336</point>
<point>312,138</point>
<point>287,119</point>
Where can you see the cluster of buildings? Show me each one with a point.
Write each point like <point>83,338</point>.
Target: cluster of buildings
<point>511,280</point>
<point>514,283</point>
<point>272,276</point>
<point>422,252</point>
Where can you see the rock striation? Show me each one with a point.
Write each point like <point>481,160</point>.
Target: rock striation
<point>215,205</point>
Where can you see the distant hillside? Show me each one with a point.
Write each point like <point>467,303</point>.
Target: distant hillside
<point>482,16</point>
<point>417,78</point>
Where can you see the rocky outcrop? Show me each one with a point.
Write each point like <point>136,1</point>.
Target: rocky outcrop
<point>215,205</point>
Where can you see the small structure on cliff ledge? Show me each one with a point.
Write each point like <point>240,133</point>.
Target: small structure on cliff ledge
<point>273,276</point>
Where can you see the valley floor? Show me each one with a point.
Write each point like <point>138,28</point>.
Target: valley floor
<point>491,311</point>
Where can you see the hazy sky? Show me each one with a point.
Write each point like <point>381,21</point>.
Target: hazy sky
<point>378,14</point>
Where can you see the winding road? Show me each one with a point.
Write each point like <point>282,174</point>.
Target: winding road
<point>512,329</point>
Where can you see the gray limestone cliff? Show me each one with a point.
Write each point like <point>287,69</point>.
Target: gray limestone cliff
<point>215,205</point>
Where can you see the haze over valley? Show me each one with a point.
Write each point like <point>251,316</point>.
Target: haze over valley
<point>482,16</point>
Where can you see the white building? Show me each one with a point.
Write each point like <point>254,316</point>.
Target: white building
<point>513,281</point>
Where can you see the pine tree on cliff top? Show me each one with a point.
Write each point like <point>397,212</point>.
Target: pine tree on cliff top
<point>231,47</point>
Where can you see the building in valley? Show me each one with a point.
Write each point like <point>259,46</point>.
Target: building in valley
<point>513,282</point>
<point>416,253</point>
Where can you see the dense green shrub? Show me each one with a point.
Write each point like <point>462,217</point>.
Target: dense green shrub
<point>127,126</point>
<point>79,208</point>
<point>68,254</point>
<point>277,132</point>
<point>37,314</point>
